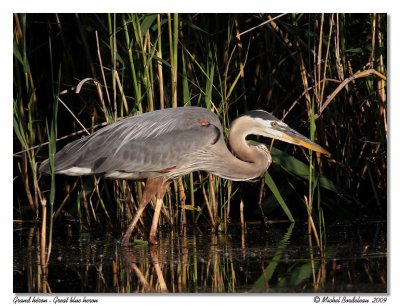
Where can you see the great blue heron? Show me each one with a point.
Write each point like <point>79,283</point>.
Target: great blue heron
<point>168,143</point>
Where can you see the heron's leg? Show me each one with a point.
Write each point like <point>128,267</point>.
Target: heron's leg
<point>157,210</point>
<point>153,186</point>
<point>154,224</point>
<point>138,214</point>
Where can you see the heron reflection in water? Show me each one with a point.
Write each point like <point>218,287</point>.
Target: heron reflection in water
<point>162,145</point>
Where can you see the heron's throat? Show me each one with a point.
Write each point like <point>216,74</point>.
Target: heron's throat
<point>251,161</point>
<point>240,129</point>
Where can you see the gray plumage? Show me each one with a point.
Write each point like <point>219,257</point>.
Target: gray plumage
<point>168,143</point>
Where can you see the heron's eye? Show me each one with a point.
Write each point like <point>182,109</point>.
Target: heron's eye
<point>273,123</point>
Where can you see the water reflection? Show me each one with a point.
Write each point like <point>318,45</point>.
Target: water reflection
<point>277,260</point>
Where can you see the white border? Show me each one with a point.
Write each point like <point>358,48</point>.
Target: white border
<point>6,83</point>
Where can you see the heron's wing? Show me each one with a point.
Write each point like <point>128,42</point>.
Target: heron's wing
<point>154,142</point>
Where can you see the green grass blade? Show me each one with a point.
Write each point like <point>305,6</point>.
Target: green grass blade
<point>147,23</point>
<point>233,86</point>
<point>272,186</point>
<point>185,83</point>
<point>18,127</point>
<point>300,169</point>
<point>209,85</point>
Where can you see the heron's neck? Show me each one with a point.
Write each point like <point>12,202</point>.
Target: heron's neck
<point>251,161</point>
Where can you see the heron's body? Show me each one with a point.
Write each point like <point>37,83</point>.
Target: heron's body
<point>164,144</point>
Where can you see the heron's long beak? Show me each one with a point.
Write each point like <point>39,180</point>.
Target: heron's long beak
<point>285,133</point>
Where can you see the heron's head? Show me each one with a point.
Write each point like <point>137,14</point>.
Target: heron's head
<point>267,125</point>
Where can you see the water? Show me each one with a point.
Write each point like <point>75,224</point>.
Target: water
<point>276,260</point>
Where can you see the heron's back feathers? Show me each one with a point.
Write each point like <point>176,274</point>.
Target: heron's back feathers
<point>159,143</point>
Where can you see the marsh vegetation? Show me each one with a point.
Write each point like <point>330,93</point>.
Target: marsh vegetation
<point>323,74</point>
